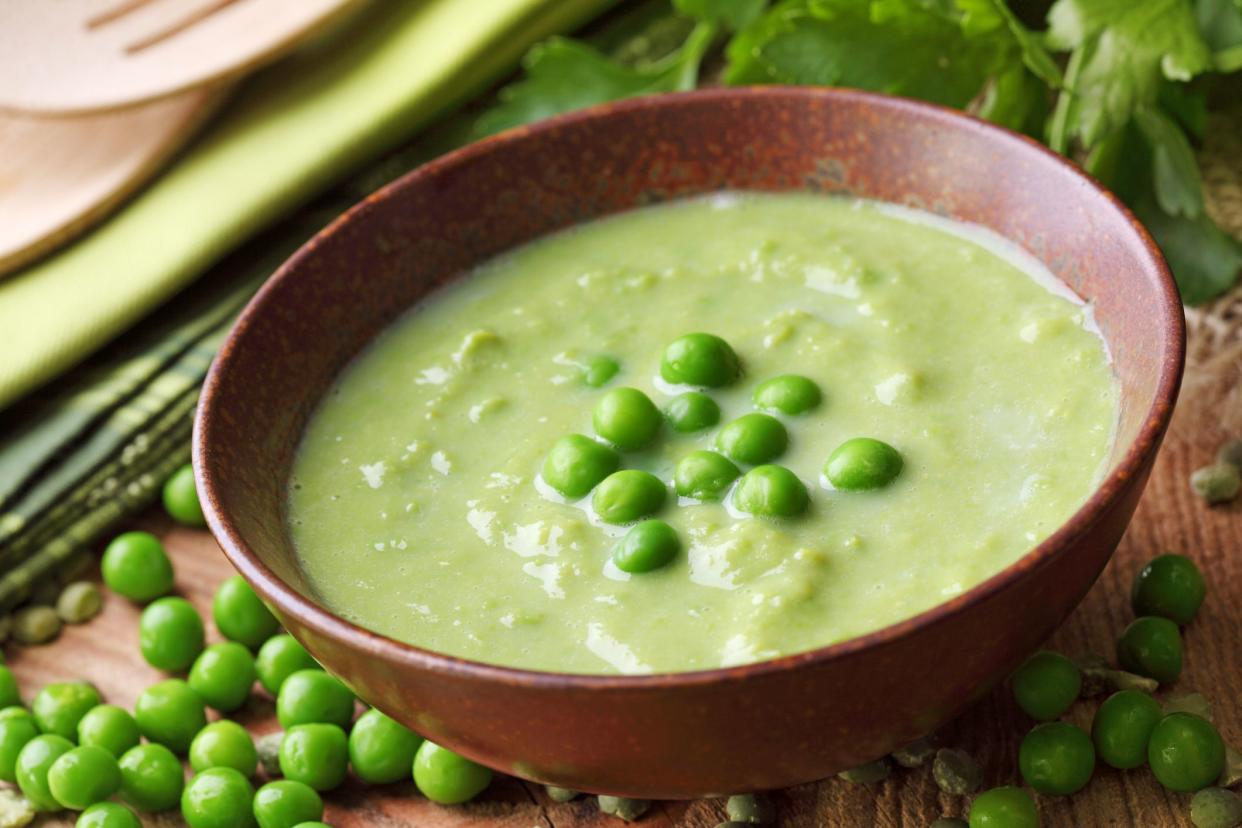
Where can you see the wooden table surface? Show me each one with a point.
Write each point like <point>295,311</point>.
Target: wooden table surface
<point>1169,518</point>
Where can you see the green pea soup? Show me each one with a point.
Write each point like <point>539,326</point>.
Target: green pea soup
<point>415,501</point>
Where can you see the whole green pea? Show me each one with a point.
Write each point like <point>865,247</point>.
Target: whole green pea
<point>135,565</point>
<point>447,778</point>
<point>83,776</point>
<point>109,727</point>
<point>1185,752</point>
<point>170,634</point>
<point>1122,728</point>
<point>313,696</point>
<point>627,418</point>
<point>224,744</point>
<point>646,546</point>
<point>170,713</point>
<point>381,750</point>
<point>699,359</point>
<point>599,370</point>
<point>58,707</point>
<point>753,439</point>
<point>218,798</point>
<point>863,464</point>
<point>315,754</point>
<point>576,464</point>
<point>286,804</point>
<point>33,763</point>
<point>10,695</point>
<point>1169,586</point>
<point>1216,808</point>
<point>151,777</point>
<point>789,394</point>
<point>107,815</point>
<point>222,676</point>
<point>692,411</point>
<point>280,657</point>
<point>623,808</point>
<point>1056,758</point>
<point>1151,646</point>
<point>1046,685</point>
<point>15,732</point>
<point>628,495</point>
<point>240,616</point>
<point>704,475</point>
<point>1004,807</point>
<point>181,498</point>
<point>771,491</point>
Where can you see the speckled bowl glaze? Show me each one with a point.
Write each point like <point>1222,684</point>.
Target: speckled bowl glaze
<point>764,725</point>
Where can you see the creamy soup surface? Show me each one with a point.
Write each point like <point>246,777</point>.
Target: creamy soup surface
<point>418,510</point>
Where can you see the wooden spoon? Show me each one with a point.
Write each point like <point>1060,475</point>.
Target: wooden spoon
<point>58,176</point>
<point>74,56</point>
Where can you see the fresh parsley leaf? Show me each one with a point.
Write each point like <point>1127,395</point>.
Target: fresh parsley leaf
<point>562,75</point>
<point>1176,181</point>
<point>732,14</point>
<point>1017,100</point>
<point>896,46</point>
<point>1206,261</point>
<point>1220,23</point>
<point>986,16</point>
<point>1124,47</point>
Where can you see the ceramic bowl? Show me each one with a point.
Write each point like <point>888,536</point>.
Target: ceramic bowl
<point>765,725</point>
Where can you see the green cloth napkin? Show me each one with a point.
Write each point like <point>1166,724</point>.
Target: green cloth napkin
<point>291,131</point>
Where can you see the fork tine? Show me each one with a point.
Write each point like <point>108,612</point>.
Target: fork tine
<point>196,16</point>
<point>116,12</point>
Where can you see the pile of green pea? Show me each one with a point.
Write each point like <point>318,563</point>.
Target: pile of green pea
<point>626,420</point>
<point>70,750</point>
<point>1177,741</point>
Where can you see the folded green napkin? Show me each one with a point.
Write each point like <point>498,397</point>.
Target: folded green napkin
<point>291,131</point>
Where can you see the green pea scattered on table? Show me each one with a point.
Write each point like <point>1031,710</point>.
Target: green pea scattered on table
<point>1004,807</point>
<point>576,465</point>
<point>286,804</point>
<point>1046,685</point>
<point>691,412</point>
<point>381,750</point>
<point>627,418</point>
<point>315,754</point>
<point>181,498</point>
<point>59,707</point>
<point>444,777</point>
<point>1122,728</point>
<point>700,359</point>
<point>863,464</point>
<point>753,439</point>
<point>240,615</point>
<point>135,565</point>
<point>1169,586</point>
<point>280,657</point>
<point>10,694</point>
<point>151,777</point>
<point>1216,808</point>
<point>314,697</point>
<point>109,727</point>
<point>1151,646</point>
<point>83,776</point>
<point>646,546</point>
<point>628,495</point>
<point>1185,752</point>
<point>107,815</point>
<point>170,634</point>
<point>224,744</point>
<point>218,798</point>
<point>79,602</point>
<point>170,713</point>
<point>771,491</point>
<point>1056,758</point>
<point>222,675</point>
<point>15,733</point>
<point>33,763</point>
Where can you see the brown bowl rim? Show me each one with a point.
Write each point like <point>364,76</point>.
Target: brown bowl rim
<point>316,618</point>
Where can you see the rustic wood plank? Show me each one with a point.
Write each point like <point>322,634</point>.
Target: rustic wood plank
<point>1169,518</point>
